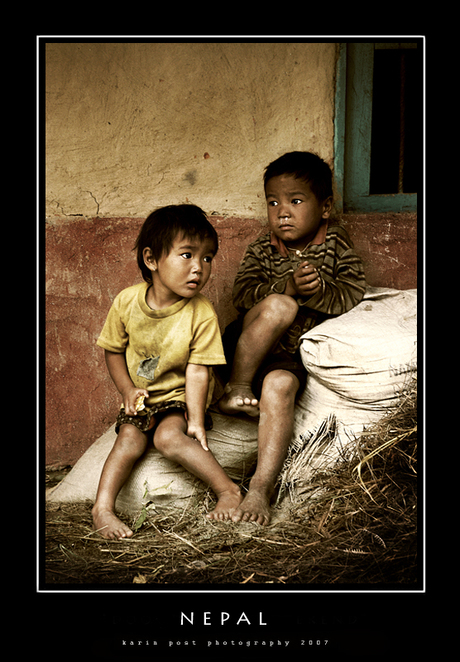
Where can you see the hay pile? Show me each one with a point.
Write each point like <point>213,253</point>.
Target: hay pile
<point>353,525</point>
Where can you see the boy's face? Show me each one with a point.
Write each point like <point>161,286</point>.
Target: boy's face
<point>184,271</point>
<point>294,212</point>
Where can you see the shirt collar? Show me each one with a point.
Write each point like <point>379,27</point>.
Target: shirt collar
<point>319,238</point>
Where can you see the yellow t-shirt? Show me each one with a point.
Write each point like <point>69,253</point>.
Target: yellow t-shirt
<point>158,344</point>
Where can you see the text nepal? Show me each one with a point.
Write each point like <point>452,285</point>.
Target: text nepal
<point>222,618</point>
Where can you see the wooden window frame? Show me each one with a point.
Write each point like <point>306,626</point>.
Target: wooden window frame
<point>352,136</point>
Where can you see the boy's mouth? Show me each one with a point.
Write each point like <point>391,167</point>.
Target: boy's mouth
<point>193,283</point>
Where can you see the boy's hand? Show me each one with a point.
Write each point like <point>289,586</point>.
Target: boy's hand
<point>130,397</point>
<point>306,280</point>
<point>199,433</point>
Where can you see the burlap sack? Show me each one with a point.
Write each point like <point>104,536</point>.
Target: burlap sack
<point>156,480</point>
<point>358,366</point>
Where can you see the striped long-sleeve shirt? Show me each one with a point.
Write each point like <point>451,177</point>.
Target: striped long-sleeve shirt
<point>267,266</point>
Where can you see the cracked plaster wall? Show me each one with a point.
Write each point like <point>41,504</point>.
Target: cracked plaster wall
<point>134,126</point>
<point>130,127</point>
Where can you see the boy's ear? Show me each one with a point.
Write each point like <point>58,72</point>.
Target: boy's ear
<point>149,260</point>
<point>327,207</point>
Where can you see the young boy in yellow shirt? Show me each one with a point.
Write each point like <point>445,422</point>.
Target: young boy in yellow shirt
<point>161,338</point>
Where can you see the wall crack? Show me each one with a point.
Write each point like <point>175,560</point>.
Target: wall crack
<point>97,204</point>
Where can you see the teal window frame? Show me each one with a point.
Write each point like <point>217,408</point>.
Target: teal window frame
<point>352,135</point>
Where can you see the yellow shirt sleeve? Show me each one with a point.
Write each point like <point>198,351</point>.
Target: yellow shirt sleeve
<point>114,337</point>
<point>206,346</point>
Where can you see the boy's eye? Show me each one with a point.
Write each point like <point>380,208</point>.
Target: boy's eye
<point>188,256</point>
<point>272,203</point>
<point>296,201</point>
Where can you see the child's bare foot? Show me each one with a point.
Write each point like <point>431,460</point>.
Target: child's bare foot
<point>238,399</point>
<point>226,505</point>
<point>254,508</point>
<point>107,524</point>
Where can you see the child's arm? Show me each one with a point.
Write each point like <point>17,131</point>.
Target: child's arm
<point>333,281</point>
<point>331,291</point>
<point>256,279</point>
<point>252,282</point>
<point>116,365</point>
<point>305,282</point>
<point>196,392</point>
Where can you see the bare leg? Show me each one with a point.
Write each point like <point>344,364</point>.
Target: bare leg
<point>129,446</point>
<point>263,327</point>
<point>275,433</point>
<point>172,442</point>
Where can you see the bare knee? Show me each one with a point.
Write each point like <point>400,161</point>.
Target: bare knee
<point>279,386</point>
<point>169,442</point>
<point>163,442</point>
<point>277,309</point>
<point>130,442</point>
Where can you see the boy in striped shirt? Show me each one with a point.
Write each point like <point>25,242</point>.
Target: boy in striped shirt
<point>303,271</point>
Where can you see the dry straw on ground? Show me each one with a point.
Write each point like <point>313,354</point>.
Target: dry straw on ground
<point>354,524</point>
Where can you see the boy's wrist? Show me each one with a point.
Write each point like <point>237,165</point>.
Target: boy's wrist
<point>290,289</point>
<point>195,420</point>
<point>126,390</point>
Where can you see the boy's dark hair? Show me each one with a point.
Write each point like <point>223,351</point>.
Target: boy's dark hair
<point>306,166</point>
<point>161,228</point>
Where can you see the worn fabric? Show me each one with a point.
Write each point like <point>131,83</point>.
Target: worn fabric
<point>158,344</point>
<point>268,264</point>
<point>149,417</point>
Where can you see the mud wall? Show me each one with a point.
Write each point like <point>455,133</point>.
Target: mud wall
<point>134,126</point>
<point>130,127</point>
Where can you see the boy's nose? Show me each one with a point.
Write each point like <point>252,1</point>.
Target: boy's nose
<point>196,267</point>
<point>283,213</point>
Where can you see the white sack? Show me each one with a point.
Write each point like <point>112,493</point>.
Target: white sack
<point>358,363</point>
<point>155,479</point>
